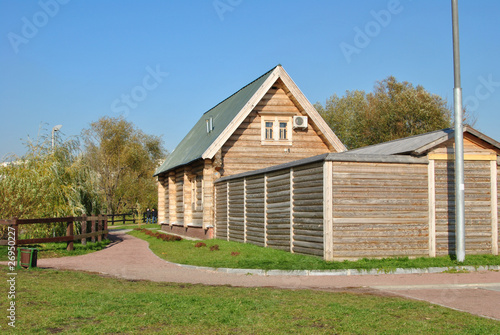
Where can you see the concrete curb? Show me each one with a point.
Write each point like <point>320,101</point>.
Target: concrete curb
<point>346,272</point>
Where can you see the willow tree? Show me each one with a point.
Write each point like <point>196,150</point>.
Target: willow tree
<point>124,159</point>
<point>393,110</point>
<point>47,182</point>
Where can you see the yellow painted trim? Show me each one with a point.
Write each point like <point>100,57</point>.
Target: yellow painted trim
<point>467,157</point>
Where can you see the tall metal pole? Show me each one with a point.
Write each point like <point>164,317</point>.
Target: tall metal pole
<point>459,143</point>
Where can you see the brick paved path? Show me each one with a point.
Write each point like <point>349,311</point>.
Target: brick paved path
<point>130,258</point>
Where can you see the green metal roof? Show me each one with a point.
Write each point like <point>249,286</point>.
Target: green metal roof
<point>197,141</point>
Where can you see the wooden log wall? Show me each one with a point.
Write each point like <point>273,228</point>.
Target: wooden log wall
<point>375,210</point>
<point>197,200</point>
<point>179,194</point>
<point>163,201</point>
<point>236,210</point>
<point>478,208</point>
<point>221,211</point>
<point>308,209</point>
<point>379,210</point>
<point>278,210</point>
<point>496,216</point>
<point>255,210</point>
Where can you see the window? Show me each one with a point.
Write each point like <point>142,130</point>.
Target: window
<point>269,130</point>
<point>283,130</point>
<point>276,130</point>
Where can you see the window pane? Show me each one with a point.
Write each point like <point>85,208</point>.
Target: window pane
<point>269,130</point>
<point>283,132</point>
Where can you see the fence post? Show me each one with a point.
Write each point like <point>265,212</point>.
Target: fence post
<point>106,226</point>
<point>123,215</point>
<point>93,227</point>
<point>99,228</point>
<point>84,228</point>
<point>16,235</point>
<point>69,232</point>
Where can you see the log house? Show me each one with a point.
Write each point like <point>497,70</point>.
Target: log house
<point>266,123</point>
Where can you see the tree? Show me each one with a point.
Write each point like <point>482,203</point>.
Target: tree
<point>124,159</point>
<point>394,110</point>
<point>344,116</point>
<point>47,182</point>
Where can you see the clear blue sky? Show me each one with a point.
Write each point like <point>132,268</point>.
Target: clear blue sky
<point>72,62</point>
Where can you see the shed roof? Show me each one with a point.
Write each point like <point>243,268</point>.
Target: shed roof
<point>228,115</point>
<point>419,144</point>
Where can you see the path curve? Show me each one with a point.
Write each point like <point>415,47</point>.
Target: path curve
<point>130,258</point>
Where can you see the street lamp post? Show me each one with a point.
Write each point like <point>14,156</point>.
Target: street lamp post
<point>56,128</point>
<point>459,143</point>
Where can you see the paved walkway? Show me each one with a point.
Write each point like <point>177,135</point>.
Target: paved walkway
<point>130,258</point>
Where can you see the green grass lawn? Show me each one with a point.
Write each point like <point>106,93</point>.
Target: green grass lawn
<point>65,302</point>
<point>248,256</point>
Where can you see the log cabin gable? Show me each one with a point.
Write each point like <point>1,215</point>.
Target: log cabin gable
<point>279,79</point>
<point>268,137</point>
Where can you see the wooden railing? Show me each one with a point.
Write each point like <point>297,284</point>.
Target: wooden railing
<point>91,227</point>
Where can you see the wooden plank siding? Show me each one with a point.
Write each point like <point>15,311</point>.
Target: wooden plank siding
<point>478,227</point>
<point>380,210</point>
<point>244,150</point>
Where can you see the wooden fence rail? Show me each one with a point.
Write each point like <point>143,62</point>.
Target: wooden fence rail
<point>97,224</point>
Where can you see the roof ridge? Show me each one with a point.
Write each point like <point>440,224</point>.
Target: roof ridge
<point>253,81</point>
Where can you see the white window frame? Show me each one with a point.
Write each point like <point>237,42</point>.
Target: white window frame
<point>276,120</point>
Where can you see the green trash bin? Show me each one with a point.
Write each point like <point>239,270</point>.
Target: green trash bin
<point>27,257</point>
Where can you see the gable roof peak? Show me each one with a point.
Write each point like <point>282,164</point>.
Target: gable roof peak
<point>228,115</point>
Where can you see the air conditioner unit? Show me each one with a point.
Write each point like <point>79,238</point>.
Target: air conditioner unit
<point>300,122</point>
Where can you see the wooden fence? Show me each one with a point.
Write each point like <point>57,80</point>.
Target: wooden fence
<point>112,218</point>
<point>354,206</point>
<point>91,227</point>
